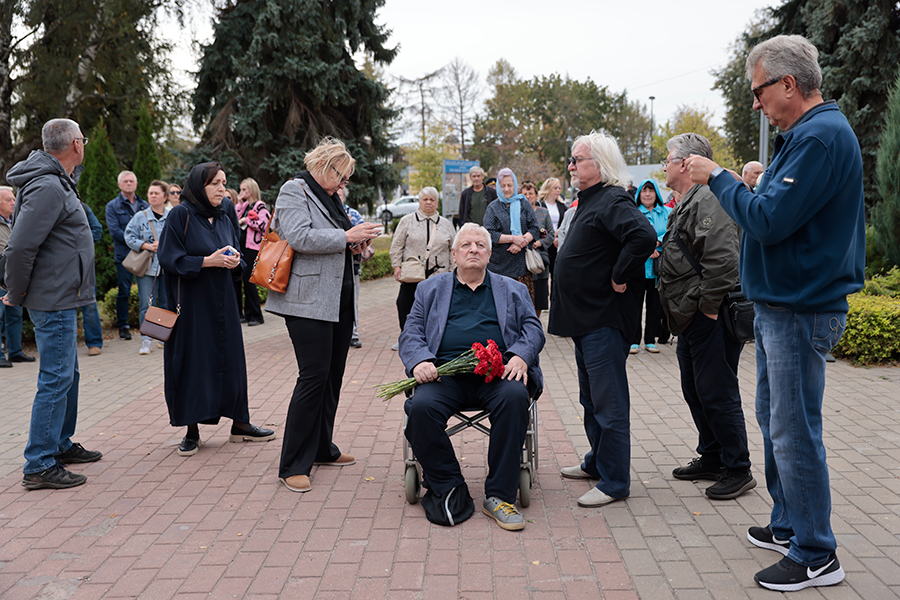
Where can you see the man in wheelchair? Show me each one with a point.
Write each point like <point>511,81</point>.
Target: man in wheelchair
<point>451,312</point>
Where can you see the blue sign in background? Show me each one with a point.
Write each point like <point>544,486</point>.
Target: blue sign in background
<point>459,166</point>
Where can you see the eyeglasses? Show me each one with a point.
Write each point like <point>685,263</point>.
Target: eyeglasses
<point>344,180</point>
<point>175,193</point>
<point>757,89</point>
<point>574,160</point>
<point>84,140</point>
<point>664,162</point>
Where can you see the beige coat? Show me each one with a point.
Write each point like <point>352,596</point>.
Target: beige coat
<point>410,240</point>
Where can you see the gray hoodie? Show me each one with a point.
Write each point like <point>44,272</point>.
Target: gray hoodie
<point>50,254</point>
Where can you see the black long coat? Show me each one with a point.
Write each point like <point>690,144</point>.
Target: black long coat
<point>205,368</point>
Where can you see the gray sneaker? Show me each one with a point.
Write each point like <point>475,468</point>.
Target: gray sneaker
<point>504,513</point>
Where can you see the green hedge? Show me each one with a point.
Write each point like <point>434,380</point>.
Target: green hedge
<point>377,267</point>
<point>107,308</point>
<point>873,329</point>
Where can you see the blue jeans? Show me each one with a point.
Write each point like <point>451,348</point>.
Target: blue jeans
<point>55,407</point>
<point>145,286</point>
<point>93,331</point>
<point>603,392</point>
<point>790,374</point>
<point>12,321</point>
<point>125,277</point>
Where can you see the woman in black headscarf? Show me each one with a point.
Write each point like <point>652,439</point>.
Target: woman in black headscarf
<point>205,369</point>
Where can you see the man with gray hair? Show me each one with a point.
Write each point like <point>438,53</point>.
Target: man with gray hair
<point>474,200</point>
<point>802,253</point>
<point>751,172</point>
<point>606,247</point>
<point>119,211</point>
<point>50,271</point>
<point>698,267</point>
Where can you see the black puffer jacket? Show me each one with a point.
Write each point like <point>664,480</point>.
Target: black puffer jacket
<point>50,254</point>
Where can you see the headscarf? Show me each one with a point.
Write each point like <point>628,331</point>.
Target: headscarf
<point>194,190</point>
<point>514,202</point>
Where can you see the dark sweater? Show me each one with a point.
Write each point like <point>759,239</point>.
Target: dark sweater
<point>609,239</point>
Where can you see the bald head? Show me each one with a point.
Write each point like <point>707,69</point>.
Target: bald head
<point>752,171</point>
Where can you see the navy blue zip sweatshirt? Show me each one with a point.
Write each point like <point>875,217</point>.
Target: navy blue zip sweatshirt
<point>804,240</point>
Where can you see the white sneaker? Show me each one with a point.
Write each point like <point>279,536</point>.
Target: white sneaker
<point>145,347</point>
<point>595,497</point>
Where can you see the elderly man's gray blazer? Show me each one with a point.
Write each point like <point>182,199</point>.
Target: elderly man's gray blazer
<point>319,243</point>
<point>522,332</point>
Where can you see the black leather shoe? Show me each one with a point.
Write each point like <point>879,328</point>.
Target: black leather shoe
<point>243,319</point>
<point>356,343</point>
<point>189,446</point>
<point>4,364</point>
<point>125,333</point>
<point>254,322</point>
<point>251,434</point>
<point>78,455</point>
<point>20,358</point>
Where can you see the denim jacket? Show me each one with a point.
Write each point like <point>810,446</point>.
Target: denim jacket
<point>138,231</point>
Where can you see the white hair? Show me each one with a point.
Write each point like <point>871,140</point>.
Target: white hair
<point>472,227</point>
<point>752,163</point>
<point>123,174</point>
<point>607,157</point>
<point>430,192</point>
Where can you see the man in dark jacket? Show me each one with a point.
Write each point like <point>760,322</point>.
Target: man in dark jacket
<point>474,200</point>
<point>50,271</point>
<point>606,246</point>
<point>802,251</point>
<point>10,316</point>
<point>119,211</point>
<point>701,233</point>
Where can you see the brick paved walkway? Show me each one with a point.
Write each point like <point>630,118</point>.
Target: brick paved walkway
<point>151,524</point>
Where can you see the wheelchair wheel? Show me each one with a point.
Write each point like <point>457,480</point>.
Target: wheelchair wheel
<point>412,484</point>
<point>524,488</point>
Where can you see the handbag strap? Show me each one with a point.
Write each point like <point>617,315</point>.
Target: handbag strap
<point>687,253</point>
<point>187,220</point>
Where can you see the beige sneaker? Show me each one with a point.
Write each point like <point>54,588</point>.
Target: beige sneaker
<point>343,460</point>
<point>94,351</point>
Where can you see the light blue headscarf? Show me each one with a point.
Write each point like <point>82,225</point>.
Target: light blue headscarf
<point>515,208</point>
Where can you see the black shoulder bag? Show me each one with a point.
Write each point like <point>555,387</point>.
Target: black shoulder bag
<point>736,312</point>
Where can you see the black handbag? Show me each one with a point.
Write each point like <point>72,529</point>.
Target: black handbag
<point>735,312</point>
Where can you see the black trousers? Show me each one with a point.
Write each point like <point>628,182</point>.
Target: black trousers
<point>709,363</point>
<point>321,349</point>
<point>247,293</point>
<point>433,404</point>
<point>654,328</point>
<point>405,298</point>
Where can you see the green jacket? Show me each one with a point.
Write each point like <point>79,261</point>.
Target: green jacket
<point>714,240</point>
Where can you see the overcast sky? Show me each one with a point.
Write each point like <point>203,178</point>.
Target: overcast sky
<point>655,48</point>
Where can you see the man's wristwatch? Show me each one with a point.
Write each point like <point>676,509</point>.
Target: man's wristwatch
<point>714,174</point>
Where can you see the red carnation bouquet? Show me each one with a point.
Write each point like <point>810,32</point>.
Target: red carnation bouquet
<point>486,361</point>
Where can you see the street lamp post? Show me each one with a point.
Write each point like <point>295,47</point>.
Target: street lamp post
<point>568,154</point>
<point>652,98</point>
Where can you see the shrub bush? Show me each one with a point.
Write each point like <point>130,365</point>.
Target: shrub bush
<point>873,329</point>
<point>107,308</point>
<point>377,267</point>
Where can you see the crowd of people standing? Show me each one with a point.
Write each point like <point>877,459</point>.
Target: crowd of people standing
<point>595,264</point>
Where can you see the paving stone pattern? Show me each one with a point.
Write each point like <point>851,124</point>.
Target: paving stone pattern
<point>151,524</point>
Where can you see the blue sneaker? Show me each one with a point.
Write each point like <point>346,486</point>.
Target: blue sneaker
<point>634,349</point>
<point>651,348</point>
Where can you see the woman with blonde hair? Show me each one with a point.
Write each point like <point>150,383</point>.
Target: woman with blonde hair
<point>317,306</point>
<point>253,218</point>
<point>549,198</point>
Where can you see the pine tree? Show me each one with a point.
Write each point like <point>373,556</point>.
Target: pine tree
<point>97,186</point>
<point>886,214</point>
<point>146,163</point>
<point>279,76</point>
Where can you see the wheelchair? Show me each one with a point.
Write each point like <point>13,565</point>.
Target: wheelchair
<point>472,418</point>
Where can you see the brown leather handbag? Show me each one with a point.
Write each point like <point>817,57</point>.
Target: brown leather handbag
<point>272,267</point>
